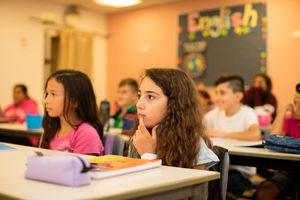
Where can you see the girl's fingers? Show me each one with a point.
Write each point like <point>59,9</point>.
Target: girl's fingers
<point>141,121</point>
<point>154,132</point>
<point>142,128</point>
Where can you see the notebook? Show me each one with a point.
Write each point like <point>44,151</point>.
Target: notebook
<point>113,165</point>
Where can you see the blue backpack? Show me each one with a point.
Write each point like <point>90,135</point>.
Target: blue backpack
<point>282,144</point>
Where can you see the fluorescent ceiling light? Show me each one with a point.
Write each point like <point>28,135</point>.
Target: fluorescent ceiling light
<point>118,3</point>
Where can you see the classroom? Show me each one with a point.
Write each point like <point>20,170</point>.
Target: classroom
<point>110,44</point>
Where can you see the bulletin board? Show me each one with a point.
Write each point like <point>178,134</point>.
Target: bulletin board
<point>228,40</point>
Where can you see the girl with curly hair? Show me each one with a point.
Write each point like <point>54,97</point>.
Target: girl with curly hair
<point>170,121</point>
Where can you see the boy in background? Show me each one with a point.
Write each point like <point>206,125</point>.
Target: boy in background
<point>125,114</point>
<point>232,119</point>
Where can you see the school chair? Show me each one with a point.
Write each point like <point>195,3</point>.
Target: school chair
<point>114,144</point>
<point>218,188</point>
<point>104,111</point>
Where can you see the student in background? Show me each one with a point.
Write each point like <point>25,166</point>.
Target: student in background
<point>232,119</point>
<point>22,105</point>
<point>287,121</point>
<point>205,101</point>
<point>125,115</point>
<point>284,183</point>
<point>71,122</point>
<point>260,94</point>
<point>170,121</point>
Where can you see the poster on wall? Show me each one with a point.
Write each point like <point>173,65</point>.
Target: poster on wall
<point>228,40</point>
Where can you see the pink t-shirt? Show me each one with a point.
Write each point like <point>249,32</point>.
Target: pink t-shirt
<point>83,140</point>
<point>18,112</point>
<point>291,127</point>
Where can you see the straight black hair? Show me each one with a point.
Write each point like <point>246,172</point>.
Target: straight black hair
<point>268,82</point>
<point>23,88</point>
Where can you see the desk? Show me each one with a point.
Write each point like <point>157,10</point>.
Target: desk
<point>18,130</point>
<point>19,134</point>
<point>242,154</point>
<point>159,183</point>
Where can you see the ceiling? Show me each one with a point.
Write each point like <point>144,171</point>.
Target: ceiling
<point>90,5</point>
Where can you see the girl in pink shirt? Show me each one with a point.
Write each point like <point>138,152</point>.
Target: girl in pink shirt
<point>71,121</point>
<point>22,105</point>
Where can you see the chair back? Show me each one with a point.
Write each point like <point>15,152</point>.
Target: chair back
<point>114,144</point>
<point>218,188</point>
<point>104,111</point>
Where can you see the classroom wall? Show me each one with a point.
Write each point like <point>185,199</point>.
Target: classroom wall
<point>148,37</point>
<point>283,47</point>
<point>22,47</point>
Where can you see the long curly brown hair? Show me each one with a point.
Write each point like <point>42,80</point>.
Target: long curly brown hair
<point>178,137</point>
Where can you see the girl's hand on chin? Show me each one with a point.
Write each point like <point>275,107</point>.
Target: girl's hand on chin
<point>143,141</point>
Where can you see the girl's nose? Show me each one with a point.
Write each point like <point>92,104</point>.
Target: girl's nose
<point>45,100</point>
<point>140,105</point>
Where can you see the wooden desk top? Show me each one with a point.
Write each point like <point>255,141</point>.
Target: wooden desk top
<point>153,181</point>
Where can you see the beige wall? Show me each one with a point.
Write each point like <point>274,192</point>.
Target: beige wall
<point>148,37</point>
<point>283,48</point>
<point>22,47</point>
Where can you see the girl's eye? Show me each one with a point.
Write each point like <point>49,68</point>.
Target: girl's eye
<point>222,93</point>
<point>139,96</point>
<point>150,97</point>
<point>52,94</point>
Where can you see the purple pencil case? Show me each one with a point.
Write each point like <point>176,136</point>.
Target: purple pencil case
<point>64,170</point>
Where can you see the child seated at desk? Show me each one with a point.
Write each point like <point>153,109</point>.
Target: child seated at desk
<point>170,121</point>
<point>124,117</point>
<point>260,95</point>
<point>21,106</point>
<point>71,122</point>
<point>284,183</point>
<point>16,113</point>
<point>232,119</point>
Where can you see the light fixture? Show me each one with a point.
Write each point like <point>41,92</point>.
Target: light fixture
<point>71,16</point>
<point>118,3</point>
